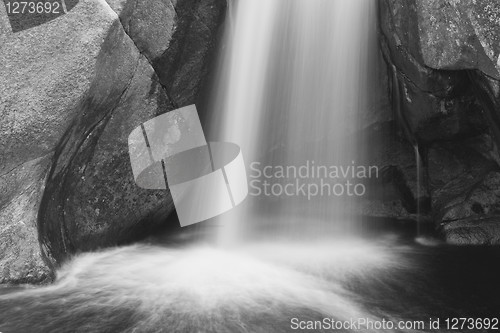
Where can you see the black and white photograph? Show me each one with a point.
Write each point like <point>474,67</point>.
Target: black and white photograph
<point>249,166</point>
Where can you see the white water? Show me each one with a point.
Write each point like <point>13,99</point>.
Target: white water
<point>293,86</point>
<point>257,288</point>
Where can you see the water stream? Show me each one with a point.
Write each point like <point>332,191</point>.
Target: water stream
<point>293,83</point>
<point>178,285</point>
<point>292,92</point>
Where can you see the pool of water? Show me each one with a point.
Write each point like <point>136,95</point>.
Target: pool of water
<point>183,285</point>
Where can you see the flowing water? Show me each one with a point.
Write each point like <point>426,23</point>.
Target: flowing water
<point>418,163</point>
<point>183,286</point>
<point>293,85</point>
<point>293,88</point>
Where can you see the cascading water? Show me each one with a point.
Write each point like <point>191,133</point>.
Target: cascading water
<point>419,182</point>
<point>296,77</point>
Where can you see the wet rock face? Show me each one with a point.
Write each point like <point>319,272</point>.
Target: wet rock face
<point>176,37</point>
<point>437,99</point>
<point>444,62</point>
<point>74,89</point>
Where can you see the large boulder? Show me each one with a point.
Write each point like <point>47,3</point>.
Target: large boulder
<point>91,199</point>
<point>45,70</point>
<point>444,34</point>
<point>178,37</point>
<point>433,94</point>
<point>72,90</point>
<point>445,61</point>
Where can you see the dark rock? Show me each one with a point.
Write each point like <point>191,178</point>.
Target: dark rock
<point>457,170</point>
<point>444,57</point>
<point>429,98</point>
<point>398,192</point>
<point>177,37</point>
<point>474,231</point>
<point>445,34</point>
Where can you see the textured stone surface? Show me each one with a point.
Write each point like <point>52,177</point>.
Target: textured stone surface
<point>444,56</point>
<point>460,179</point>
<point>473,232</point>
<point>91,199</point>
<point>178,37</point>
<point>75,87</point>
<point>151,24</point>
<point>431,98</point>
<point>21,258</point>
<point>446,34</point>
<point>45,70</point>
<point>397,193</point>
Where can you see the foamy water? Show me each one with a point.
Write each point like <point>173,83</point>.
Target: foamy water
<point>258,287</point>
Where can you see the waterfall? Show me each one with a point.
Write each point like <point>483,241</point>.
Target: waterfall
<point>293,85</point>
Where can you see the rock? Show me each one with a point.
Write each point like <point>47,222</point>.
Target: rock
<point>445,34</point>
<point>445,65</point>
<point>76,87</point>
<point>429,45</point>
<point>473,232</point>
<point>91,199</point>
<point>460,34</point>
<point>178,37</point>
<point>430,98</point>
<point>150,24</point>
<point>397,192</point>
<point>21,257</point>
<point>456,171</point>
<point>45,71</point>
